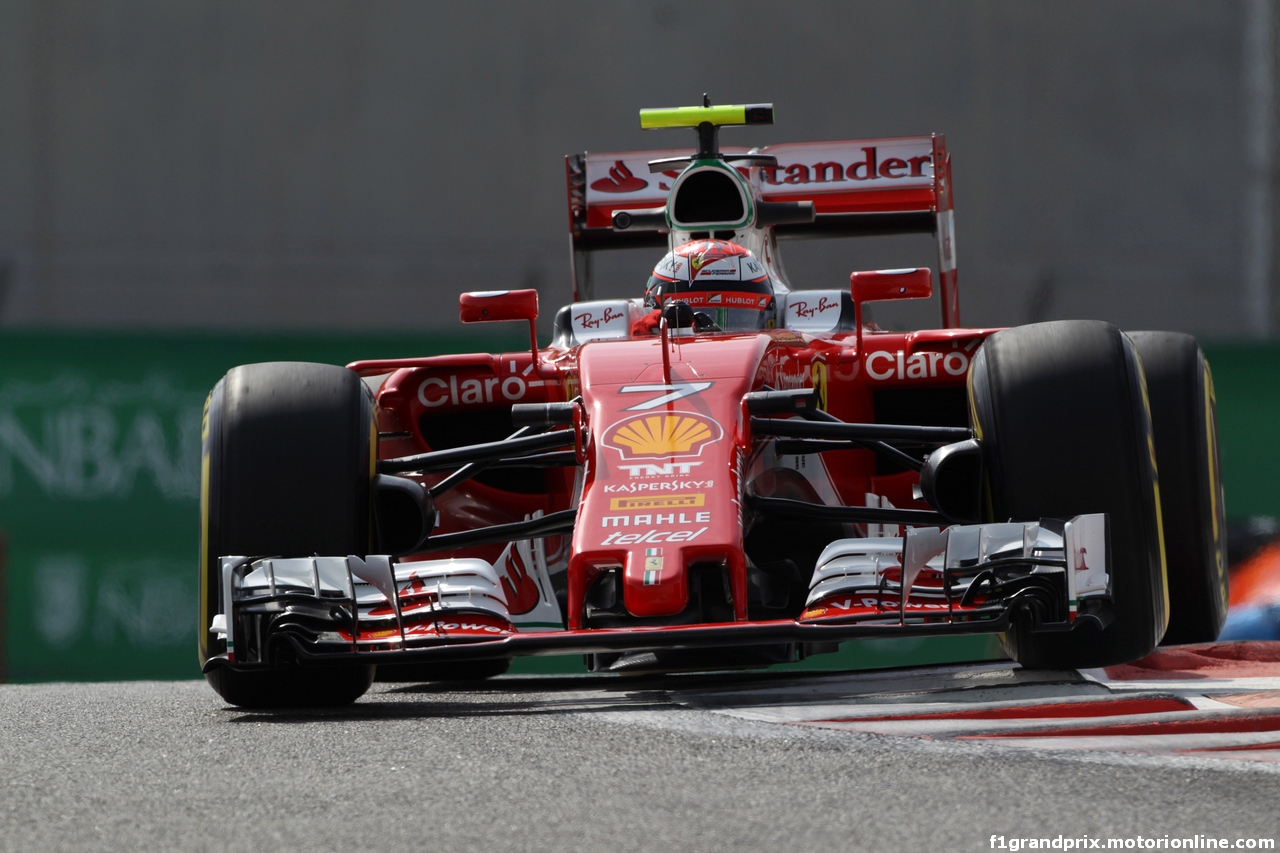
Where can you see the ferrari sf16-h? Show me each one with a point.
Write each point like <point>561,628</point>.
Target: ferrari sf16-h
<point>723,472</point>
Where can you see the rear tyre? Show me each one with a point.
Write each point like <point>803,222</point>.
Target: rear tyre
<point>288,459</point>
<point>1065,429</point>
<point>1184,417</point>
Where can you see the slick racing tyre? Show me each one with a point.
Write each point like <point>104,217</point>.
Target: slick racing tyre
<point>1184,418</point>
<point>288,455</point>
<point>1062,416</point>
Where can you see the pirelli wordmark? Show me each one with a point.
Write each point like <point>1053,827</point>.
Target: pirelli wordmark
<point>658,502</point>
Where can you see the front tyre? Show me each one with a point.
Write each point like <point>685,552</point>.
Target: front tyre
<point>1063,419</point>
<point>1184,417</point>
<point>288,456</point>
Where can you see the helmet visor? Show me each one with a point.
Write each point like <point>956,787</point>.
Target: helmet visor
<point>731,310</point>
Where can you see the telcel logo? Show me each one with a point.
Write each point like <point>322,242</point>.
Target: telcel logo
<point>653,536</point>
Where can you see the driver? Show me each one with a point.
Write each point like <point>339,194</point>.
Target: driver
<point>711,286</point>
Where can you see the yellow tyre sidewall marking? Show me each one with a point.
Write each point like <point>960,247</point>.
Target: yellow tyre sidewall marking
<point>1211,454</point>
<point>1162,620</point>
<point>204,613</point>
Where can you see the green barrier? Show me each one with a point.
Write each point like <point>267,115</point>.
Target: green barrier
<point>99,487</point>
<point>1247,380</point>
<point>99,479</point>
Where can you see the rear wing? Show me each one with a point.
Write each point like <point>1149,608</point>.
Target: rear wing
<point>858,188</point>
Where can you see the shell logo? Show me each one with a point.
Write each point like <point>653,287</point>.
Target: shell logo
<point>671,434</point>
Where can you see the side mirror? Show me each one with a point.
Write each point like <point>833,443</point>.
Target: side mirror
<point>883,285</point>
<point>491,305</point>
<point>484,306</point>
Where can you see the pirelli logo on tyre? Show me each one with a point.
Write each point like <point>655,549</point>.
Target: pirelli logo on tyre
<point>658,502</point>
<point>661,436</point>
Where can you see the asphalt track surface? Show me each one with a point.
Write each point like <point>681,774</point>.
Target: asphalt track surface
<point>560,763</point>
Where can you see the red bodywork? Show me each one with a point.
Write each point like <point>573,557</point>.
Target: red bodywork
<point>669,450</point>
<point>667,495</point>
<point>665,470</point>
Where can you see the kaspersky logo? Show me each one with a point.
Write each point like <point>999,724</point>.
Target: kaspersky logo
<point>657,436</point>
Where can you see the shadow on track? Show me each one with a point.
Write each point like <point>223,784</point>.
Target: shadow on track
<point>592,693</point>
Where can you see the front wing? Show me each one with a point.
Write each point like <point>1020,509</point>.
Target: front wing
<point>964,579</point>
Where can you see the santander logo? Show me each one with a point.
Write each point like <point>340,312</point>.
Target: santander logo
<point>620,180</point>
<point>884,162</point>
<point>869,168</point>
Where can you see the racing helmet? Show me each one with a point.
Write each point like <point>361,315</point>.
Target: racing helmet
<point>717,279</point>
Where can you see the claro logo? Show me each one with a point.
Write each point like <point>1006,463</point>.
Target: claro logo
<point>454,390</point>
<point>921,365</point>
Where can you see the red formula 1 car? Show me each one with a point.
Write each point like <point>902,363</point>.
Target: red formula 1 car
<point>726,473</point>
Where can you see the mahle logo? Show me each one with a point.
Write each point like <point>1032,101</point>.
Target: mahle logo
<point>659,436</point>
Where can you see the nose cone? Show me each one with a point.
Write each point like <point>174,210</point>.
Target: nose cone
<point>660,508</point>
<point>661,488</point>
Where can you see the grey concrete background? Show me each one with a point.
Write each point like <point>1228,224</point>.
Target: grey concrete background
<point>328,164</point>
